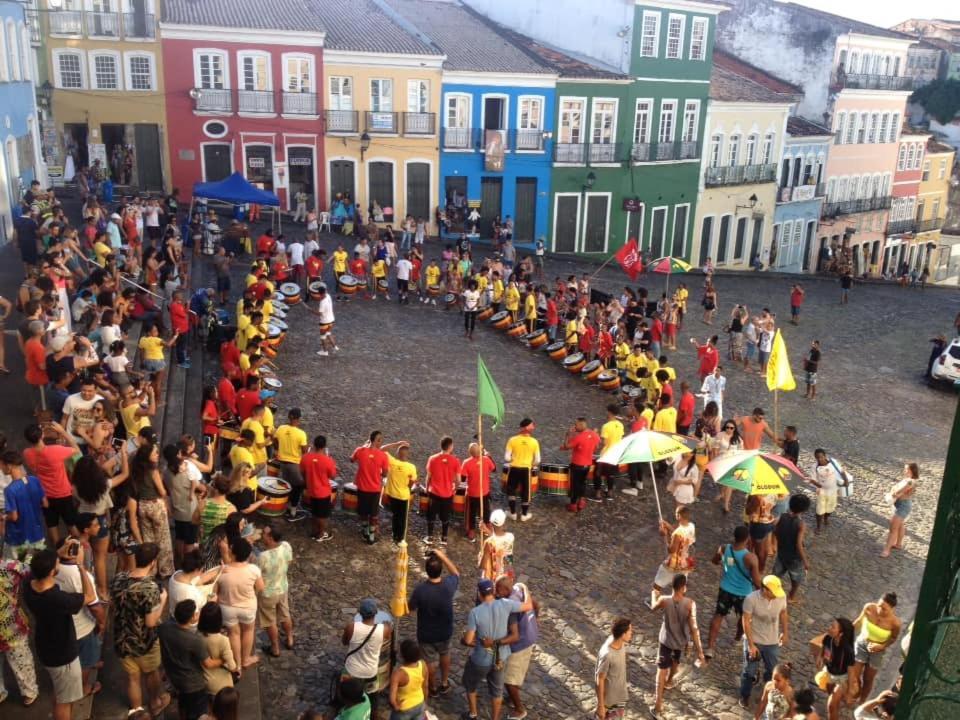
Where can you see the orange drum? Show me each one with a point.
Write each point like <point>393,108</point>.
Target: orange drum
<point>274,336</point>
<point>556,351</point>
<point>273,469</point>
<point>314,289</point>
<point>538,338</point>
<point>609,380</point>
<point>348,499</point>
<point>555,479</point>
<point>269,350</point>
<point>534,480</point>
<point>484,314</point>
<point>574,363</point>
<point>591,371</point>
<point>325,328</point>
<point>348,284</point>
<point>629,393</point>
<point>460,501</point>
<point>433,291</point>
<point>423,503</point>
<point>501,320</point>
<point>275,493</point>
<point>382,286</point>
<point>517,329</point>
<point>291,293</point>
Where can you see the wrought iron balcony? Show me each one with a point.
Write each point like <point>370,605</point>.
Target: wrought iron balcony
<point>930,224</point>
<point>665,151</point>
<point>139,25</point>
<point>255,101</point>
<point>419,123</point>
<point>213,100</point>
<point>66,22</point>
<point>902,227</point>
<point>103,24</point>
<point>850,207</point>
<point>603,153</point>
<point>384,123</point>
<point>740,175</point>
<point>855,81</point>
<point>300,103</point>
<point>455,138</point>
<point>572,153</point>
<point>342,121</point>
<point>527,140</point>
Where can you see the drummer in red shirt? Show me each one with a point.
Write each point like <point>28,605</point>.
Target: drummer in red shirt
<point>443,469</point>
<point>582,442</point>
<point>686,409</point>
<point>248,398</point>
<point>476,471</point>
<point>318,469</point>
<point>372,465</point>
<point>552,318</point>
<point>314,267</point>
<point>587,337</point>
<point>227,397</point>
<point>709,357</point>
<point>358,268</point>
<point>266,245</point>
<point>180,324</point>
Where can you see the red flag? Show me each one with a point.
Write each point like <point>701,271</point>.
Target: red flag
<point>629,258</point>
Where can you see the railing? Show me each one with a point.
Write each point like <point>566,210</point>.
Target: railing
<point>799,193</point>
<point>849,207</point>
<point>529,140</point>
<point>739,175</point>
<point>605,153</point>
<point>381,122</point>
<point>257,101</point>
<point>665,151</point>
<point>103,24</point>
<point>342,121</point>
<point>214,100</point>
<point>459,138</point>
<point>902,227</point>
<point>856,81</point>
<point>419,123</point>
<point>66,22</point>
<point>574,153</point>
<point>930,224</point>
<point>299,103</point>
<point>139,25</point>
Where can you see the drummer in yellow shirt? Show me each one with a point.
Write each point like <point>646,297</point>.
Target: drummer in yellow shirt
<point>401,477</point>
<point>633,363</point>
<point>259,447</point>
<point>611,433</point>
<point>571,336</point>
<point>530,310</point>
<point>291,443</point>
<point>523,458</point>
<point>432,279</point>
<point>379,272</point>
<point>497,291</point>
<point>242,452</point>
<point>511,301</point>
<point>666,417</point>
<point>621,352</point>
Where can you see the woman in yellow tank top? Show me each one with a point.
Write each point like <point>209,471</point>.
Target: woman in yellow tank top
<point>408,684</point>
<point>879,627</point>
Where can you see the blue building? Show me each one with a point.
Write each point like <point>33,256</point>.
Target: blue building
<point>800,193</point>
<point>498,108</point>
<point>20,160</point>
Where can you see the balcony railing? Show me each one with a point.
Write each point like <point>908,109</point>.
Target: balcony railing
<point>419,123</point>
<point>739,175</point>
<point>342,121</point>
<point>902,227</point>
<point>103,24</point>
<point>213,100</point>
<point>528,140</point>
<point>460,138</point>
<point>139,25</point>
<point>930,224</point>
<point>300,103</point>
<point>573,153</point>
<point>601,153</point>
<point>799,193</point>
<point>255,101</point>
<point>382,122</point>
<point>849,207</point>
<point>855,81</point>
<point>665,151</point>
<point>66,22</point>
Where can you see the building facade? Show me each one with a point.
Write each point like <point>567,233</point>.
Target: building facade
<point>933,196</point>
<point>108,98</point>
<point>903,243</point>
<point>745,131</point>
<point>800,194</point>
<point>496,123</point>
<point>21,161</point>
<point>245,97</point>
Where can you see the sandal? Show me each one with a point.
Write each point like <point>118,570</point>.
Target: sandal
<point>27,702</point>
<point>269,651</point>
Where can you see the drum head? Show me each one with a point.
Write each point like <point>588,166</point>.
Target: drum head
<point>290,289</point>
<point>497,317</point>
<point>450,298</point>
<point>272,382</point>
<point>607,375</point>
<point>281,307</point>
<point>591,366</point>
<point>348,280</point>
<point>573,359</point>
<point>273,485</point>
<point>278,323</point>
<point>553,347</point>
<point>316,286</point>
<point>273,331</point>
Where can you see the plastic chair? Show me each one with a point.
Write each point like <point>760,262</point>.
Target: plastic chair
<point>324,221</point>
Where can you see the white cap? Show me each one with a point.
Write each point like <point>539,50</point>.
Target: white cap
<point>115,216</point>
<point>498,518</point>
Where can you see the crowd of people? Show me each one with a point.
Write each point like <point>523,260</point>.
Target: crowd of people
<point>164,545</point>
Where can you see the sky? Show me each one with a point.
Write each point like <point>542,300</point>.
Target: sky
<point>885,13</point>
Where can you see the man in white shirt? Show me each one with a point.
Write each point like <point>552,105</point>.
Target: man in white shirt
<point>404,268</point>
<point>471,303</point>
<point>713,386</point>
<point>325,311</point>
<point>295,256</point>
<point>310,245</point>
<point>78,410</point>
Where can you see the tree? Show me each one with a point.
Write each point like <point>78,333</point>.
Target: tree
<point>941,99</point>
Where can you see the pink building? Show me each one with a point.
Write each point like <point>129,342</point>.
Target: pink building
<point>904,219</point>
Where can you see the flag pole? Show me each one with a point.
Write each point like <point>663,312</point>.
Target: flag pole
<point>656,494</point>
<point>480,474</point>
<point>605,263</point>
<point>776,411</point>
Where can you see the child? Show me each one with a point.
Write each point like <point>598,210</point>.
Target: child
<point>421,232</point>
<point>379,271</point>
<point>670,327</point>
<point>24,502</point>
<point>118,363</point>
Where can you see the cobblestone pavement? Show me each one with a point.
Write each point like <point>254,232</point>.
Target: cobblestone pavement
<point>409,372</point>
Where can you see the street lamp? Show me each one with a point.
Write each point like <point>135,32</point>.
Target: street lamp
<point>364,144</point>
<point>195,93</point>
<point>591,179</point>
<point>752,203</point>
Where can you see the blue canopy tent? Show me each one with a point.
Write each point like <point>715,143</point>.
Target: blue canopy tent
<point>238,190</point>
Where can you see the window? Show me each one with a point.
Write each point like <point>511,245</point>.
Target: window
<point>106,72</point>
<point>894,127</point>
<point>25,53</point>
<point>841,190</point>
<point>4,76</point>
<point>531,113</point>
<point>851,129</point>
<point>862,127</point>
<point>603,124</point>
<point>254,72</point>
<point>691,120</point>
<point>13,51</point>
<point>751,150</point>
<point>658,231</point>
<point>381,95</point>
<point>675,25</point>
<point>299,74</point>
<point>716,143</point>
<point>926,171</point>
<point>698,38</point>
<point>866,188</point>
<point>140,72</point>
<point>69,70</point>
<point>902,157</point>
<point>884,125</point>
<point>766,156</point>
<point>733,150</point>
<point>866,64</point>
<point>650,34</point>
<point>571,120</point>
<point>942,172</point>
<point>341,93</point>
<point>668,113</point>
<point>908,165</point>
<point>458,111</point>
<point>210,71</point>
<point>838,130</point>
<point>920,159</point>
<point>418,96</point>
<point>872,132</point>
<point>935,209</point>
<point>724,239</point>
<point>641,122</point>
<point>854,63</point>
<point>706,235</point>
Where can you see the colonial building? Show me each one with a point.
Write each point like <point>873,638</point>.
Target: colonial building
<point>497,120</point>
<point>800,193</point>
<point>382,87</point>
<point>109,97</point>
<point>903,245</point>
<point>932,204</point>
<point>745,131</point>
<point>243,93</point>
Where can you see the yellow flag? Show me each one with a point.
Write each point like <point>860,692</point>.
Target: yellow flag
<point>779,376</point>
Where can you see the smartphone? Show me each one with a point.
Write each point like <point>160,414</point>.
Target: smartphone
<point>118,443</point>
<point>73,549</point>
<point>207,439</point>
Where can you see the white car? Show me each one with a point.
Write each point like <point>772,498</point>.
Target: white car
<point>947,366</point>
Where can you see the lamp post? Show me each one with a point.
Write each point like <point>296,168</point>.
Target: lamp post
<point>364,144</point>
<point>751,203</point>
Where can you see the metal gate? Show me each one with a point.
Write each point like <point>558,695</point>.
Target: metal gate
<point>149,164</point>
<point>341,180</point>
<point>418,190</point>
<point>565,223</point>
<point>491,193</point>
<point>525,210</point>
<point>595,233</point>
<point>216,162</point>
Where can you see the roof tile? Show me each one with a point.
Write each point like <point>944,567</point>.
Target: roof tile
<point>364,26</point>
<point>294,15</point>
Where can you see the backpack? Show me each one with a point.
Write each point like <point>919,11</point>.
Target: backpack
<point>845,482</point>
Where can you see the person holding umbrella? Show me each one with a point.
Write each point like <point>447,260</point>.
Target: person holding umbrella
<point>678,561</point>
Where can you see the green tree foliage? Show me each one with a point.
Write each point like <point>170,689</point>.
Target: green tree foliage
<point>941,99</point>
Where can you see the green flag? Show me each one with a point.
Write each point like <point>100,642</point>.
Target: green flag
<point>489,399</point>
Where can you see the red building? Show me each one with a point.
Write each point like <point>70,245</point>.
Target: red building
<point>243,93</point>
<point>903,219</point>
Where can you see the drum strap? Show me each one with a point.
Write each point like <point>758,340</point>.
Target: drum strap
<point>360,646</point>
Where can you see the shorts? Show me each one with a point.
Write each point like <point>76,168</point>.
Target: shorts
<point>862,655</point>
<point>751,350</point>
<point>811,378</point>
<point>726,602</point>
<point>759,531</point>
<point>233,615</point>
<point>764,356</point>
<point>515,669</point>
<point>665,575</point>
<point>795,311</point>
<point>403,285</point>
<point>518,479</point>
<point>154,366</point>
<point>89,645</point>
<point>58,509</point>
<point>844,292</point>
<point>186,532</point>
<point>321,507</point>
<point>433,651</point>
<point>440,507</point>
<point>473,675</point>
<point>826,504</point>
<point>902,508</point>
<point>104,526</point>
<point>68,681</point>
<point>272,608</point>
<point>146,663</point>
<point>368,503</point>
<point>667,657</point>
<point>223,283</point>
<point>794,570</point>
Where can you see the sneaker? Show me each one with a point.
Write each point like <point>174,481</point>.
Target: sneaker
<point>184,366</point>
<point>512,516</point>
<point>3,696</point>
<point>336,348</point>
<point>744,703</point>
<point>595,498</point>
<point>433,301</point>
<point>423,299</point>
<point>297,516</point>
<point>654,713</point>
<point>443,542</point>
<point>323,538</point>
<point>526,516</point>
<point>517,715</point>
<point>427,540</point>
<point>471,536</point>
<point>468,716</point>
<point>322,353</point>
<point>387,297</point>
<point>630,491</point>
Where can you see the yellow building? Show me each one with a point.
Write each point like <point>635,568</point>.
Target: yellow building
<point>382,99</point>
<point>108,97</point>
<point>932,201</point>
